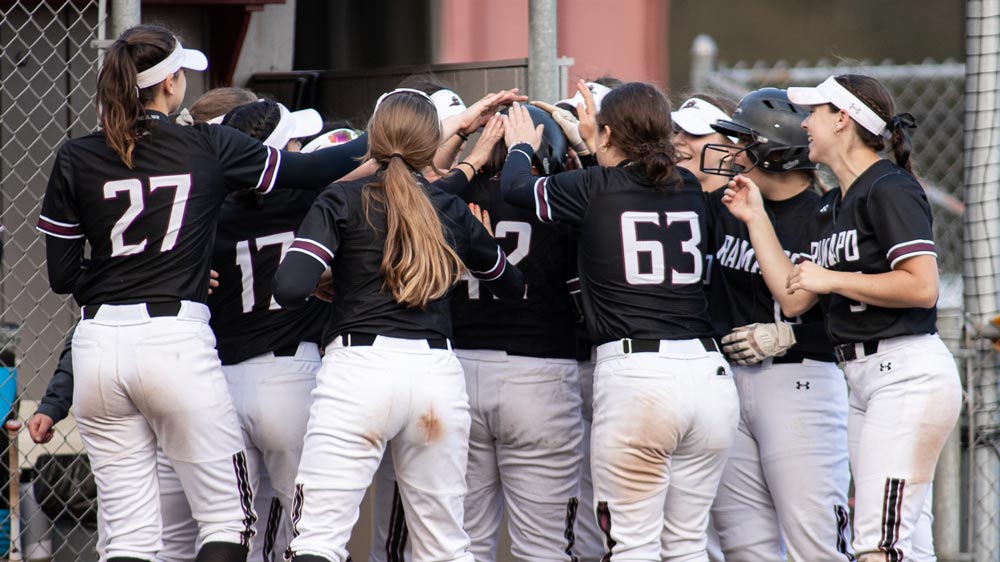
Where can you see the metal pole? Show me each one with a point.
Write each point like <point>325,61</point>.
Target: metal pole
<point>124,14</point>
<point>543,74</point>
<point>703,53</point>
<point>947,487</point>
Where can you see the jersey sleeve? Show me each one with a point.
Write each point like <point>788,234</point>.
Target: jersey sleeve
<point>564,197</point>
<point>246,163</point>
<point>60,211</point>
<point>319,234</point>
<point>481,254</point>
<point>901,218</point>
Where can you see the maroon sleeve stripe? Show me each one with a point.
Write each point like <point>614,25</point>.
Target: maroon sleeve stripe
<point>60,230</point>
<point>497,269</point>
<point>317,250</point>
<point>542,201</point>
<point>900,251</point>
<point>270,172</point>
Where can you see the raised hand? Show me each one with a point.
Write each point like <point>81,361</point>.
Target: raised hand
<point>518,127</point>
<point>482,215</point>
<point>569,124</point>
<point>587,114</point>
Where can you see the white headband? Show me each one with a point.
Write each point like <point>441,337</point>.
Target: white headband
<point>294,125</point>
<point>179,58</point>
<point>830,91</point>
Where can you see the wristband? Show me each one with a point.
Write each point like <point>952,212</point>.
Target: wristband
<point>513,150</point>
<point>462,136</point>
<point>517,144</point>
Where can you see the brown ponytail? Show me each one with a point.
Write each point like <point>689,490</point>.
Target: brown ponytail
<point>872,93</point>
<point>638,115</point>
<point>418,264</point>
<point>119,101</point>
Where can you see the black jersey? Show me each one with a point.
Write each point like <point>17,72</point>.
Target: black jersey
<point>150,228</point>
<point>641,247</point>
<point>737,292</point>
<point>337,224</point>
<point>542,323</point>
<point>249,244</point>
<point>882,219</point>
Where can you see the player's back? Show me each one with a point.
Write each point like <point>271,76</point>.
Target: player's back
<point>252,237</point>
<point>642,255</point>
<point>150,228</point>
<point>542,323</point>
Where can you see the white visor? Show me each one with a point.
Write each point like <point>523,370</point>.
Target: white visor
<point>830,91</point>
<point>294,125</point>
<point>597,90</point>
<point>216,120</point>
<point>178,59</point>
<point>447,103</point>
<point>696,117</point>
<point>331,138</point>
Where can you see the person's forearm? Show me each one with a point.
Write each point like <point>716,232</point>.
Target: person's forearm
<point>775,267</point>
<point>516,180</point>
<point>316,170</point>
<point>894,289</point>
<point>447,152</point>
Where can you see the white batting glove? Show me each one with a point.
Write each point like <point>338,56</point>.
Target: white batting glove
<point>569,124</point>
<point>748,345</point>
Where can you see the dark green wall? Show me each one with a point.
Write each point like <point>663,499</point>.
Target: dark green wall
<point>770,30</point>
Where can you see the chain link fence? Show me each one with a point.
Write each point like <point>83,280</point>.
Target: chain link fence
<point>967,487</point>
<point>48,75</point>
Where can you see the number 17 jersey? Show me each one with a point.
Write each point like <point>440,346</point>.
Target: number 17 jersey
<point>641,250</point>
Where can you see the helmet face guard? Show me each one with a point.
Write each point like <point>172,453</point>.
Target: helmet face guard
<point>727,165</point>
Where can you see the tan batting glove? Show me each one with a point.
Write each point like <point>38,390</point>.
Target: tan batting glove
<point>749,345</point>
<point>569,124</point>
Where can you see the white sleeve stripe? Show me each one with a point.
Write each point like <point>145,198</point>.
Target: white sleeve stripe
<point>908,256</point>
<point>66,224</point>
<point>500,258</point>
<point>310,254</point>
<point>918,241</point>
<point>63,236</point>
<point>314,243</point>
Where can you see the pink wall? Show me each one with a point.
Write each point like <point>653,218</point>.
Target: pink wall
<point>625,38</point>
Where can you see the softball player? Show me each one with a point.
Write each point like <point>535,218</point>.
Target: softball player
<point>876,269</point>
<point>786,481</point>
<point>693,131</point>
<point>389,373</point>
<point>144,193</point>
<point>522,380</point>
<point>665,406</point>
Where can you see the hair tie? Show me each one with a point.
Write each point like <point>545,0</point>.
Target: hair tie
<point>902,121</point>
<point>397,155</point>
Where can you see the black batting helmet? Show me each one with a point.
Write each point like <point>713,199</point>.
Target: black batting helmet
<point>770,127</point>
<point>551,153</point>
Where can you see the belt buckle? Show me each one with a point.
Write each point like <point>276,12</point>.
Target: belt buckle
<point>627,346</point>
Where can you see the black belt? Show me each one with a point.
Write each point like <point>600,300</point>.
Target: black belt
<point>367,340</point>
<point>848,351</point>
<point>154,309</point>
<point>632,345</point>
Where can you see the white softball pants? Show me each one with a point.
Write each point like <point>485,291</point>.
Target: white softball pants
<point>904,401</point>
<point>589,544</point>
<point>398,390</point>
<point>787,476</point>
<point>271,396</point>
<point>663,423</point>
<point>144,382</point>
<point>524,454</point>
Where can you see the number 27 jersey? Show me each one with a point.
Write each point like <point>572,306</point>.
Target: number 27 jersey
<point>641,250</point>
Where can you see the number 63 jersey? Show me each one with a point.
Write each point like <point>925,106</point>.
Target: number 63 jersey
<point>150,228</point>
<point>641,250</point>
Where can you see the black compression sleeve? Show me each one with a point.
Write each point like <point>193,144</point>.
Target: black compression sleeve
<point>296,279</point>
<point>509,286</point>
<point>315,170</point>
<point>64,259</point>
<point>454,182</point>
<point>59,394</point>
<point>516,180</point>
<point>811,338</point>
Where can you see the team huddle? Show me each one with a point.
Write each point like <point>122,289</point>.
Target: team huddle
<point>617,323</point>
